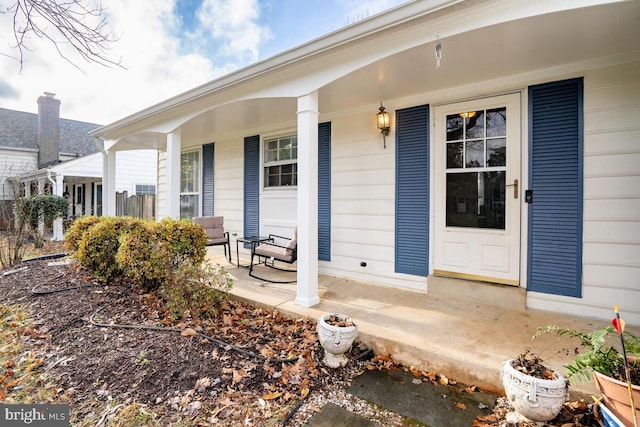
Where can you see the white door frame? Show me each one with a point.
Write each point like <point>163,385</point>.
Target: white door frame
<point>476,253</point>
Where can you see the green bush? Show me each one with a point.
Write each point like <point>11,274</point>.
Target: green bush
<point>151,254</point>
<point>196,291</point>
<point>187,240</point>
<point>73,237</point>
<point>144,256</point>
<point>100,243</point>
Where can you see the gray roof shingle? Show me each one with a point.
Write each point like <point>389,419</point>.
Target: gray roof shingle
<point>20,130</point>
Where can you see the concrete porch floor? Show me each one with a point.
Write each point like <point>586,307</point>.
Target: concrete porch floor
<point>464,340</point>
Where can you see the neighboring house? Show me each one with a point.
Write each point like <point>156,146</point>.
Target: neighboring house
<point>512,164</point>
<point>53,155</point>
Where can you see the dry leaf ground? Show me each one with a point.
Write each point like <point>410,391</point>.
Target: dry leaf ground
<point>247,367</point>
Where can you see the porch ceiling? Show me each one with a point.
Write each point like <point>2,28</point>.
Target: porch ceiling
<point>491,53</point>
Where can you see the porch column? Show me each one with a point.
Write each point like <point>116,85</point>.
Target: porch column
<point>41,184</point>
<point>307,288</point>
<point>174,146</point>
<point>109,183</point>
<point>58,190</point>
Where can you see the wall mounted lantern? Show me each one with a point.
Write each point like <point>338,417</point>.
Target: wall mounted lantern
<point>383,124</point>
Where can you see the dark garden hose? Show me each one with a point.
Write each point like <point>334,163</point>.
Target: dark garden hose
<point>43,257</point>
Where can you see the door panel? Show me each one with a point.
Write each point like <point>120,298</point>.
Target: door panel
<point>477,203</point>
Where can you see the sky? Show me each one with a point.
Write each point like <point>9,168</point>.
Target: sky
<point>166,47</point>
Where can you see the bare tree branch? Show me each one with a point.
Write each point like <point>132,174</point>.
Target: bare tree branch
<point>79,25</point>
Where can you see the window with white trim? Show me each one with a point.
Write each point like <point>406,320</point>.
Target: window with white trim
<point>189,184</point>
<point>281,161</point>
<point>145,189</point>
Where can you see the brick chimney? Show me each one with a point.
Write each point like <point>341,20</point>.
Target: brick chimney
<point>48,130</point>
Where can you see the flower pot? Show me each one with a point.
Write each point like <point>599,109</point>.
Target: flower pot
<point>336,340</point>
<point>534,398</point>
<point>616,397</point>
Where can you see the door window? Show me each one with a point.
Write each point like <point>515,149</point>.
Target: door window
<point>476,147</point>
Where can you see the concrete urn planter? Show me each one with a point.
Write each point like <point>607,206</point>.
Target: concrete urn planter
<point>534,398</point>
<point>336,340</point>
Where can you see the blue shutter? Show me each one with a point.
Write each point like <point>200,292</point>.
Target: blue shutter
<point>252,186</point>
<point>324,191</point>
<point>412,191</point>
<point>555,170</point>
<point>207,179</point>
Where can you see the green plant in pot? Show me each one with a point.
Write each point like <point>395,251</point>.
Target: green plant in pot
<point>601,360</point>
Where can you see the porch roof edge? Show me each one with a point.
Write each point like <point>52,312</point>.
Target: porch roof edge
<point>379,22</point>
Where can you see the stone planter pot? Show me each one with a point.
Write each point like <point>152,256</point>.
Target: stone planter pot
<point>616,397</point>
<point>336,340</point>
<point>534,398</point>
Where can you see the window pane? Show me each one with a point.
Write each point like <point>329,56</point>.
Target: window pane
<point>475,124</point>
<point>283,152</point>
<point>188,206</point>
<point>189,172</point>
<point>455,127</point>
<point>497,152</point>
<point>474,155</point>
<point>454,155</point>
<point>476,199</point>
<point>497,122</point>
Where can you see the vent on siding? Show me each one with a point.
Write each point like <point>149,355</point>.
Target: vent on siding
<point>207,179</point>
<point>324,191</point>
<point>412,191</point>
<point>555,168</point>
<point>252,186</point>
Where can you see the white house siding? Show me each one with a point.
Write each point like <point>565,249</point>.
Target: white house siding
<point>611,256</point>
<point>228,181</point>
<point>15,162</point>
<point>362,206</point>
<point>135,167</point>
<point>161,187</point>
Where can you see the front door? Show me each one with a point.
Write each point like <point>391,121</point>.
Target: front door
<point>477,190</point>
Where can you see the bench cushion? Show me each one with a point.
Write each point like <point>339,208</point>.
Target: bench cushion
<point>277,252</point>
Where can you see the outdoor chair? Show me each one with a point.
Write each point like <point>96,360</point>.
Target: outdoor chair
<point>214,227</point>
<point>278,248</point>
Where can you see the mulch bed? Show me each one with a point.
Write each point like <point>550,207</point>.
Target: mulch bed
<point>177,375</point>
<point>181,377</point>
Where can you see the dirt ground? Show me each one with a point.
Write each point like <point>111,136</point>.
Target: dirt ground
<point>248,366</point>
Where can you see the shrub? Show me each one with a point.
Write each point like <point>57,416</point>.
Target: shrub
<point>100,243</point>
<point>151,254</point>
<point>196,290</point>
<point>186,240</point>
<point>73,237</point>
<point>144,257</point>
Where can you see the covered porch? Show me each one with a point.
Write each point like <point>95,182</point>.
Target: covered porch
<point>385,201</point>
<point>462,339</point>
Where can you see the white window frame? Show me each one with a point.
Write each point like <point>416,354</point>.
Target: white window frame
<point>198,182</point>
<point>269,161</point>
<point>145,188</point>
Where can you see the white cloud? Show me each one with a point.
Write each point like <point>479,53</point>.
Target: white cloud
<point>157,67</point>
<point>235,23</point>
<point>161,58</point>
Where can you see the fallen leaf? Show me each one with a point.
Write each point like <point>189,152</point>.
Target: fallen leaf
<point>460,405</point>
<point>443,380</point>
<point>272,396</point>
<point>188,332</point>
